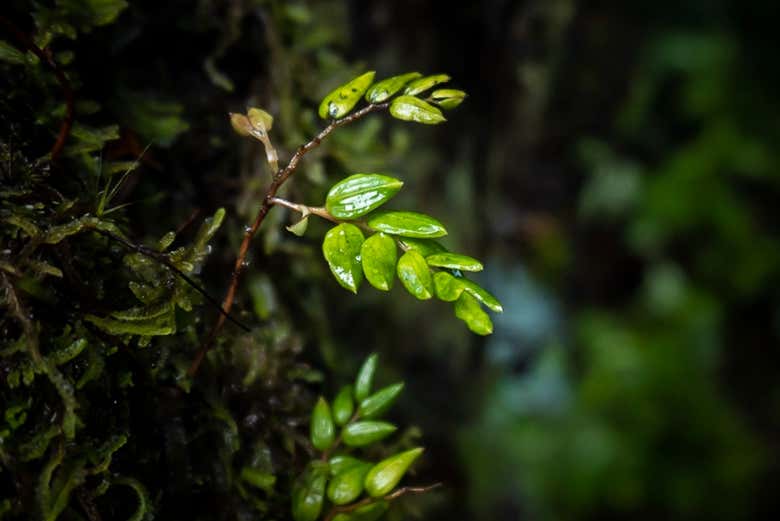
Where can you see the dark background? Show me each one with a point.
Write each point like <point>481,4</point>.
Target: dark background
<point>615,166</point>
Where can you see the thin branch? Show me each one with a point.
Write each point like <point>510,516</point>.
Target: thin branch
<point>278,180</point>
<point>403,491</point>
<point>46,57</point>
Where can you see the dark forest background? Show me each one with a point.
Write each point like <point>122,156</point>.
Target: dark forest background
<point>615,165</point>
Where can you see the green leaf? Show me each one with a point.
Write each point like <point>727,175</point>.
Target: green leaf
<point>360,434</point>
<point>448,98</point>
<point>343,406</point>
<point>341,248</point>
<point>12,55</point>
<point>341,462</point>
<point>385,475</point>
<point>379,255</point>
<point>365,377</point>
<point>409,108</point>
<point>424,247</point>
<point>308,492</point>
<point>379,402</point>
<point>423,84</point>
<point>369,512</point>
<point>359,194</point>
<point>482,295</point>
<point>322,431</point>
<point>340,101</point>
<point>415,275</point>
<point>347,486</point>
<point>407,224</point>
<point>448,288</point>
<point>467,309</point>
<point>382,91</point>
<point>454,261</point>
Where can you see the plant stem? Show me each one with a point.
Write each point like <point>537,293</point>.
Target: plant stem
<point>389,497</point>
<point>277,181</point>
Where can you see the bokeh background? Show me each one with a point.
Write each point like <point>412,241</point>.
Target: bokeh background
<point>615,166</point>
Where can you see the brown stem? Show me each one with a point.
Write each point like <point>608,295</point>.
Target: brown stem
<point>46,57</point>
<point>278,180</point>
<point>389,497</point>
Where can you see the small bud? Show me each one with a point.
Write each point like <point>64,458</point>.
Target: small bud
<point>260,119</point>
<point>241,124</point>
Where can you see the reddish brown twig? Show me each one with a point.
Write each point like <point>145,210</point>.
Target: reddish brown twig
<point>278,180</point>
<point>45,55</point>
<point>389,497</point>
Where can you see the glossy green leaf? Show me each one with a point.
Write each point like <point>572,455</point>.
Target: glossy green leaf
<point>365,377</point>
<point>362,433</point>
<point>370,512</point>
<point>343,405</point>
<point>415,275</point>
<point>359,194</point>
<point>423,84</point>
<point>347,486</point>
<point>379,255</point>
<point>341,248</point>
<point>483,296</point>
<point>448,288</point>
<point>467,309</point>
<point>448,98</point>
<point>409,108</point>
<point>424,247</point>
<point>340,101</point>
<point>382,90</point>
<point>379,402</point>
<point>322,430</point>
<point>342,462</point>
<point>454,261</point>
<point>407,224</point>
<point>385,475</point>
<point>308,492</point>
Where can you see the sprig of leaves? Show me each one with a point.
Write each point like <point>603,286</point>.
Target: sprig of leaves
<point>355,488</point>
<point>364,242</point>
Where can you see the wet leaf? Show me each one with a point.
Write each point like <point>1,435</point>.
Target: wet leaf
<point>341,100</point>
<point>379,255</point>
<point>454,261</point>
<point>423,84</point>
<point>467,309</point>
<point>482,295</point>
<point>448,98</point>
<point>448,288</point>
<point>385,475</point>
<point>379,402</point>
<point>407,224</point>
<point>383,90</point>
<point>343,405</point>
<point>359,194</point>
<point>424,247</point>
<point>340,463</point>
<point>347,486</point>
<point>362,433</point>
<point>409,108</point>
<point>415,275</point>
<point>322,430</point>
<point>341,249</point>
<point>365,377</point>
<point>308,493</point>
